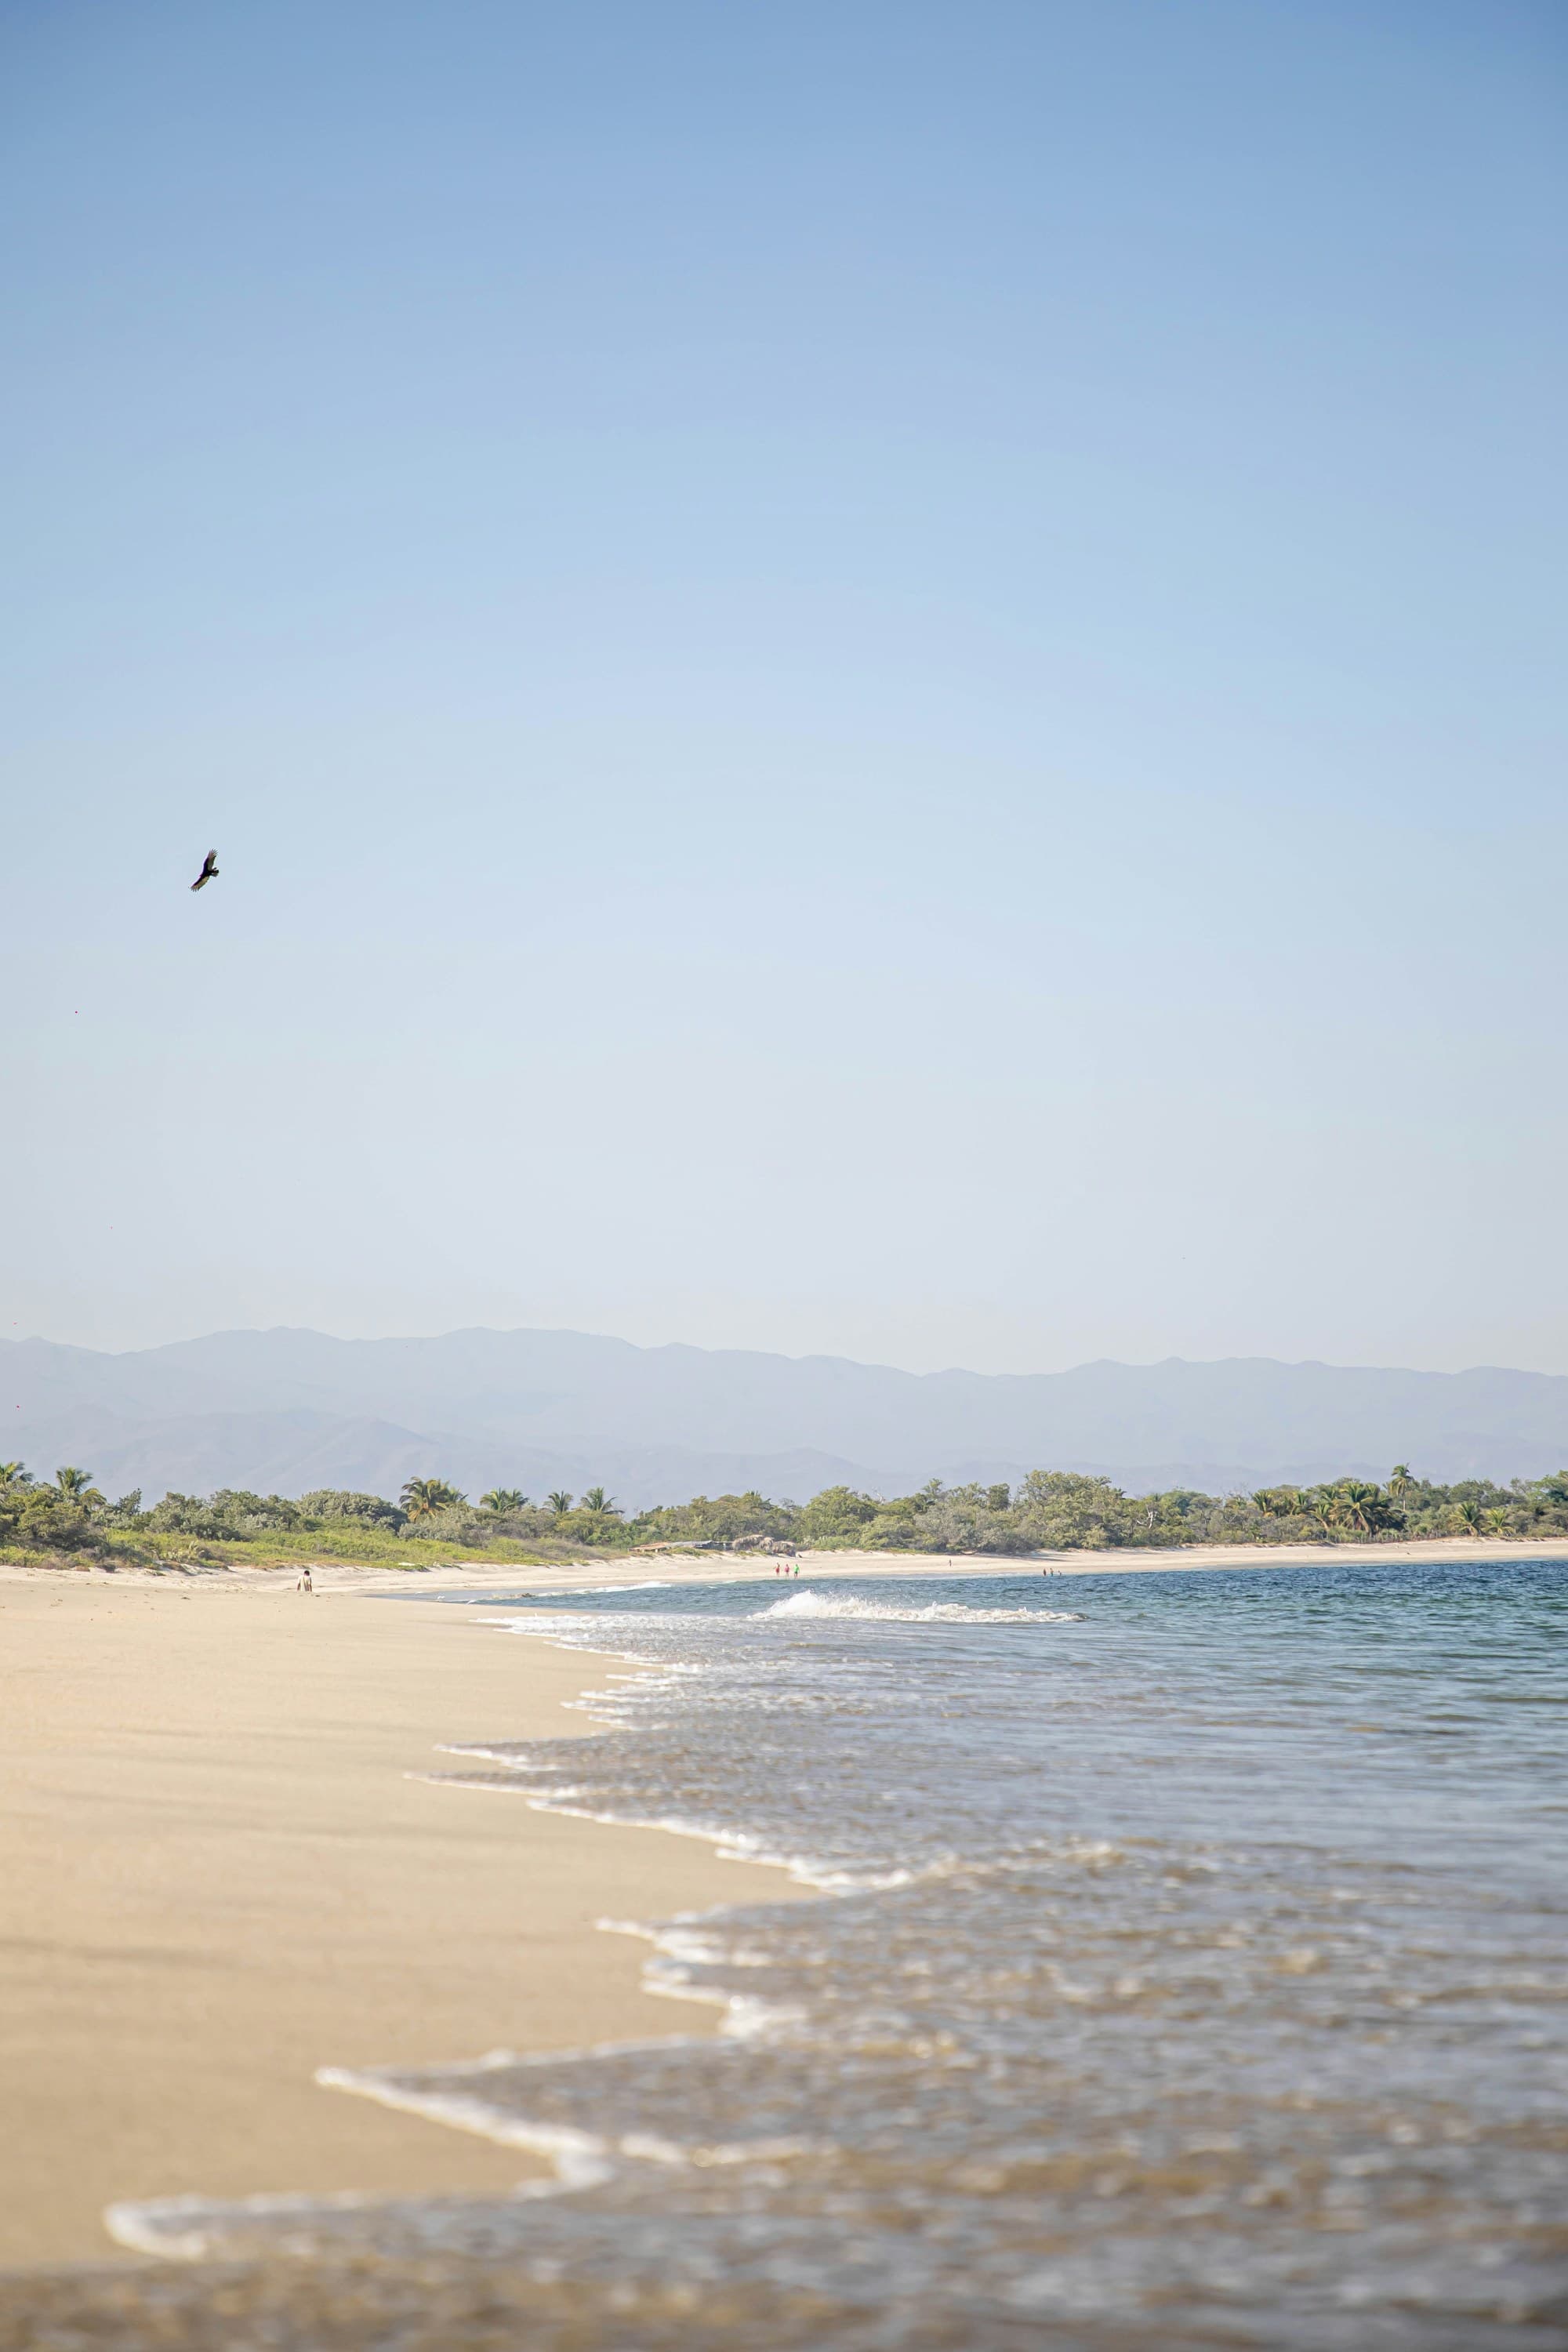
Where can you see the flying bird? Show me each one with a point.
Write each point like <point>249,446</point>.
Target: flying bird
<point>209,867</point>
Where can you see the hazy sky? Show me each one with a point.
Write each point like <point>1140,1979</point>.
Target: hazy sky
<point>883,679</point>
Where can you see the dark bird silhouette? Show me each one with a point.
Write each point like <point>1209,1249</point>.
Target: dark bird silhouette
<point>209,868</point>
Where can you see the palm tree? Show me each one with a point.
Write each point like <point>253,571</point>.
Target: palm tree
<point>559,1502</point>
<point>14,1474</point>
<point>1468,1516</point>
<point>1321,1506</point>
<point>1498,1522</point>
<point>76,1487</point>
<point>1355,1506</point>
<point>603,1506</point>
<point>423,1498</point>
<point>1400,1482</point>
<point>503,1498</point>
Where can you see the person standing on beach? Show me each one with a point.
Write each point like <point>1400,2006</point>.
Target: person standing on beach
<point>304,1584</point>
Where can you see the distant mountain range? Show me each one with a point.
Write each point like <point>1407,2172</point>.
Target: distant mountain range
<point>286,1411</point>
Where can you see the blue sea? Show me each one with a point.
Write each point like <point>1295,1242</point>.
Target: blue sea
<point>1191,1969</point>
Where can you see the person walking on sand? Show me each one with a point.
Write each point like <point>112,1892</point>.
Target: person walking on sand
<point>304,1584</point>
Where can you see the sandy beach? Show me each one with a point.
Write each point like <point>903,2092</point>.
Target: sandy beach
<point>680,1567</point>
<point>222,1871</point>
<point>220,1876</point>
<point>731,1567</point>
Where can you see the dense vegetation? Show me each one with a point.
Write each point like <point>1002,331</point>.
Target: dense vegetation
<point>1048,1511</point>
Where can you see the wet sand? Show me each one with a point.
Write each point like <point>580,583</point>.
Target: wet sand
<point>218,1876</point>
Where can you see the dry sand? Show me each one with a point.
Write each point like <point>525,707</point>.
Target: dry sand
<point>218,1876</point>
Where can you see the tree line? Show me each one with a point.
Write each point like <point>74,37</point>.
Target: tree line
<point>1049,1510</point>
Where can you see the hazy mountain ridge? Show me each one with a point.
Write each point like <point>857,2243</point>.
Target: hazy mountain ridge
<point>288,1409</point>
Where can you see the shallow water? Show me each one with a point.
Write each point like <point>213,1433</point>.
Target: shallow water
<point>1193,1973</point>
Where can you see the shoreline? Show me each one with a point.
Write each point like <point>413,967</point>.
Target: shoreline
<point>228,1867</point>
<point>621,1569</point>
<point>231,1865</point>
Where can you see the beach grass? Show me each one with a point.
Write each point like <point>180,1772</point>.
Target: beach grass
<point>363,1546</point>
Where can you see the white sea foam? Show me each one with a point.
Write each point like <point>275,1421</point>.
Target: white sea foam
<point>574,1591</point>
<point>581,2158</point>
<point>936,1613</point>
<point>189,2229</point>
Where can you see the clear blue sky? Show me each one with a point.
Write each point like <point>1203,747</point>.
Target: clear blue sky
<point>883,679</point>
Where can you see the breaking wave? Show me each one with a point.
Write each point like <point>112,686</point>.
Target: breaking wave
<point>936,1613</point>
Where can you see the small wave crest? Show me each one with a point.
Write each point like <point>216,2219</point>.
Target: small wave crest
<point>936,1612</point>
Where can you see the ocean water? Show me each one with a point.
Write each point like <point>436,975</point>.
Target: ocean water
<point>1191,1970</point>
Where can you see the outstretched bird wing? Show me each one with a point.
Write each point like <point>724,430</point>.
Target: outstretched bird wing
<point>209,867</point>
